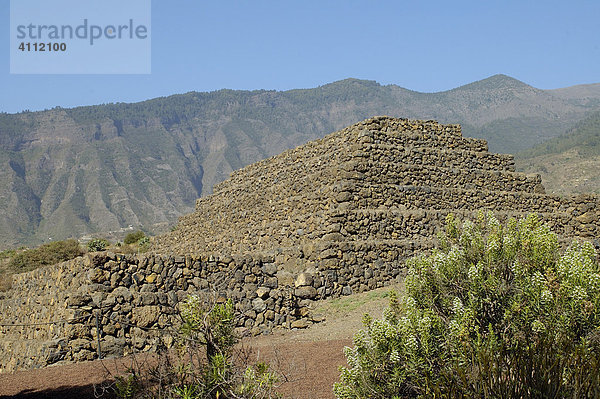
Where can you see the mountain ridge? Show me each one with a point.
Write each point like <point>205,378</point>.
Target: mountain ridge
<point>76,171</point>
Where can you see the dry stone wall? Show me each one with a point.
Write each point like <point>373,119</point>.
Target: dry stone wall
<point>333,217</point>
<point>35,308</point>
<point>124,303</point>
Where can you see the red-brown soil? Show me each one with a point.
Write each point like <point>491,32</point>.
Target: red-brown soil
<point>309,367</point>
<point>308,359</point>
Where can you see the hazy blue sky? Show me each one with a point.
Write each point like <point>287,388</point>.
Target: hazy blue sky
<point>421,45</point>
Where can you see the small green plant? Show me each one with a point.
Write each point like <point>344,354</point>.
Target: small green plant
<point>143,244</point>
<point>7,253</point>
<point>133,238</point>
<point>186,392</point>
<point>495,312</point>
<point>97,244</point>
<point>258,382</point>
<point>213,329</point>
<point>205,366</point>
<point>126,387</point>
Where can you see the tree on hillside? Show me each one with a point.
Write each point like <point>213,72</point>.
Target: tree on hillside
<point>494,312</point>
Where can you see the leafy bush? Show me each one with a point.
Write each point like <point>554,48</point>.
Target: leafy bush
<point>47,254</point>
<point>214,329</point>
<point>97,244</point>
<point>133,238</point>
<point>127,386</point>
<point>208,366</point>
<point>495,312</point>
<point>143,244</point>
<point>8,253</point>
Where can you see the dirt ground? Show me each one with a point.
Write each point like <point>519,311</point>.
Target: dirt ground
<point>308,359</point>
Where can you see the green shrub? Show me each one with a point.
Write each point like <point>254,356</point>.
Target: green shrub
<point>133,238</point>
<point>126,387</point>
<point>8,253</point>
<point>143,244</point>
<point>205,367</point>
<point>47,254</point>
<point>97,244</point>
<point>495,312</point>
<point>214,328</point>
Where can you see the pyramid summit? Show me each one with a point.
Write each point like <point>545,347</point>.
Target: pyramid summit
<point>375,191</point>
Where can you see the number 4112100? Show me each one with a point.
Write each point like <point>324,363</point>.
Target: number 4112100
<point>43,46</point>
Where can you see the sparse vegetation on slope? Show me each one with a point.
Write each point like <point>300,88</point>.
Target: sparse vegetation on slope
<point>47,254</point>
<point>24,260</point>
<point>569,163</point>
<point>495,312</point>
<point>585,137</point>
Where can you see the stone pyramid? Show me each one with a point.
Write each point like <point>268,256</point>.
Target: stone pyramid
<point>376,191</point>
<point>333,217</point>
